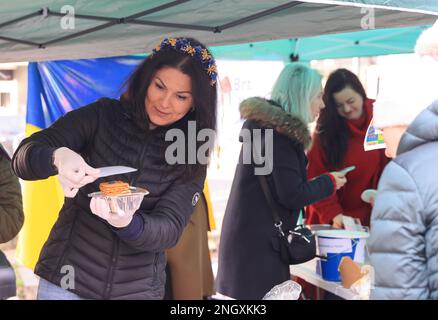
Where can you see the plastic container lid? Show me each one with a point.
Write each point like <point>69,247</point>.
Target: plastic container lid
<point>341,233</point>
<point>123,202</point>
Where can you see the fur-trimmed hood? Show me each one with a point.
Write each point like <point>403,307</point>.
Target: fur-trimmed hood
<point>271,116</point>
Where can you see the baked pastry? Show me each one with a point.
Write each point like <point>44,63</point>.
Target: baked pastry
<point>114,188</point>
<point>350,271</point>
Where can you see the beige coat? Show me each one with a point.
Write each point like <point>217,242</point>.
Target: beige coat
<point>191,275</point>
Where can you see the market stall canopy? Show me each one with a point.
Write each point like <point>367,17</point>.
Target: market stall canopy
<point>365,43</point>
<point>45,30</point>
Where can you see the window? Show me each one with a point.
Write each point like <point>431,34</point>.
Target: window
<point>5,99</point>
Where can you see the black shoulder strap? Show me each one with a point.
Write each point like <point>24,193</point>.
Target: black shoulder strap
<point>268,194</point>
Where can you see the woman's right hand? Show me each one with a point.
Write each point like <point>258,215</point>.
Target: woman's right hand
<point>338,221</point>
<point>339,178</point>
<point>73,171</point>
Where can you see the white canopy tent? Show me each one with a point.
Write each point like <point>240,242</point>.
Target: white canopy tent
<point>43,30</point>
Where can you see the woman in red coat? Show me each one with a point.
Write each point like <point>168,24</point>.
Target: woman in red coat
<point>338,143</point>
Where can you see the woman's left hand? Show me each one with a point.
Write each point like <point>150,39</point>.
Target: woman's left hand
<point>117,219</point>
<point>338,221</point>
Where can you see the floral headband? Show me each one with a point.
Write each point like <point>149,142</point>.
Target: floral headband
<point>199,53</point>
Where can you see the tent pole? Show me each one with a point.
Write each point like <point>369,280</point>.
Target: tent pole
<point>172,25</point>
<point>30,15</point>
<point>112,21</point>
<point>259,15</point>
<point>132,19</point>
<point>83,16</point>
<point>121,20</point>
<point>81,33</point>
<point>20,41</point>
<point>156,9</point>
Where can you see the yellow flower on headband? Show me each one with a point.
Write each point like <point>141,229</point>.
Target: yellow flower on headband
<point>197,52</point>
<point>211,69</point>
<point>205,55</point>
<point>189,50</point>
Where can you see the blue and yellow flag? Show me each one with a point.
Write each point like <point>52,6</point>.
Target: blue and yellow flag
<point>55,88</point>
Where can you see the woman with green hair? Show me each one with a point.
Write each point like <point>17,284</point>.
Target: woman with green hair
<point>249,257</point>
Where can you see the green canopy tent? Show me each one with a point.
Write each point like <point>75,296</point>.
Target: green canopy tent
<point>47,30</point>
<point>351,44</point>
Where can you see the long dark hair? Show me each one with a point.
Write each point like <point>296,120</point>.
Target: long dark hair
<point>331,127</point>
<point>204,94</point>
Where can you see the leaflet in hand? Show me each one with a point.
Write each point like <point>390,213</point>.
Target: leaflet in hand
<point>351,224</point>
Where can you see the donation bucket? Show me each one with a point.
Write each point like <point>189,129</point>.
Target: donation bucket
<point>335,244</point>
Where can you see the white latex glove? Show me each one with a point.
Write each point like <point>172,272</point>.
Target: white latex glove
<point>73,171</point>
<point>117,219</point>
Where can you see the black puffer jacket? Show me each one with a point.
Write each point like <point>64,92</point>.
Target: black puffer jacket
<point>105,265</point>
<point>11,206</point>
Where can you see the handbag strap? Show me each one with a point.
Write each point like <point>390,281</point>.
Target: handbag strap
<point>268,195</point>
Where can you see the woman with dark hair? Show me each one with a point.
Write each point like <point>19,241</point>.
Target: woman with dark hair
<point>93,253</point>
<point>338,143</point>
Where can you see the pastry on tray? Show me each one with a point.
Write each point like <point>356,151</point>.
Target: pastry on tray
<point>114,188</point>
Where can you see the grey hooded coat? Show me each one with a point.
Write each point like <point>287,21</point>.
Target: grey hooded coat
<point>404,221</point>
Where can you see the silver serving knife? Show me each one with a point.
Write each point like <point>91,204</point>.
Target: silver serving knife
<point>113,170</point>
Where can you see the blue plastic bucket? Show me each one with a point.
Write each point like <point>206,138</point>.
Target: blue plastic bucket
<point>336,244</point>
